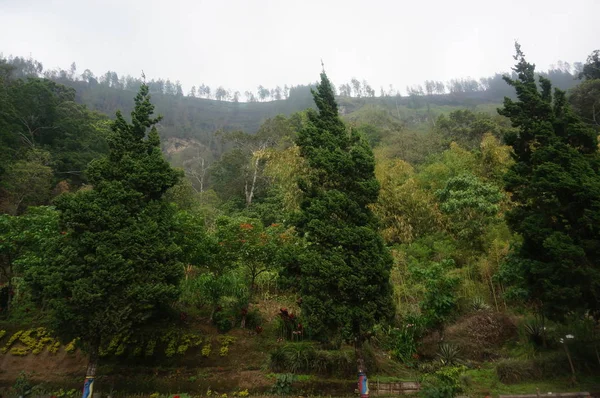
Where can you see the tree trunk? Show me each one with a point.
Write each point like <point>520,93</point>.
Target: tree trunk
<point>90,374</point>
<point>363,384</point>
<point>250,192</point>
<point>573,377</point>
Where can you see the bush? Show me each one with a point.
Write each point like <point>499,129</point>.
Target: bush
<point>253,319</point>
<point>222,321</point>
<point>283,384</point>
<point>304,358</point>
<point>444,383</point>
<point>535,331</point>
<point>448,354</point>
<point>511,371</point>
<point>23,384</point>
<point>479,304</point>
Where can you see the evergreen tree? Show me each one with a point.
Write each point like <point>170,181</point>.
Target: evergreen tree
<point>344,269</point>
<point>115,267</point>
<point>555,183</point>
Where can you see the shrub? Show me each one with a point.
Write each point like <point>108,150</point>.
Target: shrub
<point>299,357</point>
<point>304,358</point>
<point>447,382</point>
<point>23,384</point>
<point>448,354</point>
<point>206,350</point>
<point>222,321</point>
<point>479,304</point>
<point>535,331</point>
<point>517,371</point>
<point>283,384</point>
<point>253,319</point>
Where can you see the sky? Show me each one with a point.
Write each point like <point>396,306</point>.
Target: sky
<point>241,44</point>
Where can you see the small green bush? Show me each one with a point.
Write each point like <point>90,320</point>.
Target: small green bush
<point>448,354</point>
<point>512,370</point>
<point>304,358</point>
<point>446,382</point>
<point>283,384</point>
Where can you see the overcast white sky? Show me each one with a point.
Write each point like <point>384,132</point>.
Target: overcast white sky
<point>243,43</point>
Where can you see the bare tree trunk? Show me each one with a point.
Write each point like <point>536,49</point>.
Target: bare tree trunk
<point>493,291</point>
<point>250,192</point>
<point>573,377</point>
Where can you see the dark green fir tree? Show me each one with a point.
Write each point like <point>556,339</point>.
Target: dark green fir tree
<point>345,268</point>
<point>555,185</point>
<point>115,267</point>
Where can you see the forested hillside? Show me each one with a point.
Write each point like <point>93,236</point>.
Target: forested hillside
<point>449,236</point>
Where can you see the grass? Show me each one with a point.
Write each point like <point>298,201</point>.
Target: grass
<point>485,382</point>
<point>391,379</point>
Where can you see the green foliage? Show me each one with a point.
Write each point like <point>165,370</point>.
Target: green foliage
<point>448,354</point>
<point>45,137</point>
<point>585,99</point>
<point>515,370</point>
<point>24,241</point>
<point>28,182</point>
<point>283,384</point>
<point>304,358</point>
<point>115,266</point>
<point>467,128</point>
<point>23,384</point>
<point>535,330</point>
<point>440,295</point>
<point>591,69</point>
<point>402,341</point>
<point>344,268</point>
<point>555,183</point>
<point>479,304</point>
<point>444,383</point>
<point>472,207</point>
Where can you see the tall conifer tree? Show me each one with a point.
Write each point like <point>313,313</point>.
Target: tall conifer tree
<point>116,265</point>
<point>345,267</point>
<point>555,184</point>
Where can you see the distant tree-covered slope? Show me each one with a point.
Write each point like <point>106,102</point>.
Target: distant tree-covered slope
<point>197,115</point>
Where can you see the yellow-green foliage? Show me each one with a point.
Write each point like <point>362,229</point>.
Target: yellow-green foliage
<point>32,340</point>
<point>53,348</point>
<point>150,348</point>
<point>71,347</point>
<point>112,346</point>
<point>2,333</point>
<point>206,350</point>
<point>171,339</point>
<point>154,395</point>
<point>137,350</point>
<point>12,339</point>
<point>243,393</point>
<point>122,346</point>
<point>43,342</point>
<point>225,342</point>
<point>224,351</point>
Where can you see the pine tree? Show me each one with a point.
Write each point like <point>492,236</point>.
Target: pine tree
<point>555,183</point>
<point>345,267</point>
<point>116,266</point>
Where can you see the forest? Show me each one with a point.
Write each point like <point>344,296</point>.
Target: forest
<point>167,243</point>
